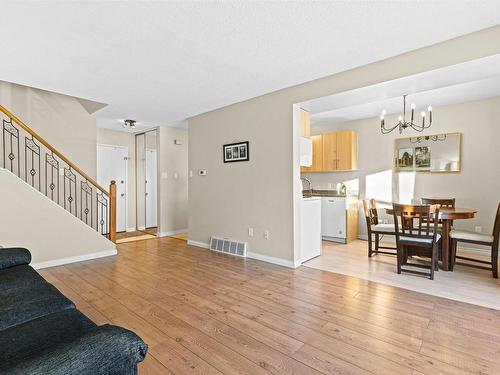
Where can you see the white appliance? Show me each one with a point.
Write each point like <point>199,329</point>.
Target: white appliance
<point>334,218</point>
<point>310,228</point>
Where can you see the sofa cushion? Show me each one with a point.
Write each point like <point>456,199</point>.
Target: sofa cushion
<point>25,340</point>
<point>19,277</point>
<point>14,256</point>
<point>22,304</point>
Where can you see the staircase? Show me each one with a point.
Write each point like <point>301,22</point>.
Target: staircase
<point>28,156</point>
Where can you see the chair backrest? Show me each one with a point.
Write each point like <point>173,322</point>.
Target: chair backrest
<point>371,214</point>
<point>443,202</point>
<point>496,227</point>
<point>415,220</point>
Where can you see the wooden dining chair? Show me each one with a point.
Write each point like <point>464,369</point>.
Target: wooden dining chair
<point>419,239</point>
<point>457,236</point>
<point>443,202</point>
<point>375,229</point>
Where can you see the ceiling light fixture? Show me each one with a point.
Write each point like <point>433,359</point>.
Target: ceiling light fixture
<point>403,124</point>
<point>129,124</point>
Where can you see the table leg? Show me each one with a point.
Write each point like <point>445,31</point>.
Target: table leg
<point>445,243</point>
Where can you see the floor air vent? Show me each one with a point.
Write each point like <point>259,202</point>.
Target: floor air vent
<point>227,246</point>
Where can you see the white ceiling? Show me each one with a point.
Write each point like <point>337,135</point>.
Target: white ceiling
<point>473,80</point>
<point>161,62</point>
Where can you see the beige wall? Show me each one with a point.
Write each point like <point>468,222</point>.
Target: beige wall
<point>52,234</point>
<point>173,177</point>
<point>61,120</point>
<point>264,193</point>
<point>476,186</point>
<point>124,139</point>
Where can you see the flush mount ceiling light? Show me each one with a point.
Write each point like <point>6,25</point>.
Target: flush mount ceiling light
<point>129,124</point>
<point>403,124</point>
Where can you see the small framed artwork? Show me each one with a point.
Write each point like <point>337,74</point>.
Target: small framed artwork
<point>236,152</point>
<point>423,157</point>
<point>405,158</point>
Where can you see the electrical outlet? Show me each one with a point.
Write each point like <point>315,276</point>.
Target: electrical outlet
<point>478,229</point>
<point>250,232</point>
<point>266,234</point>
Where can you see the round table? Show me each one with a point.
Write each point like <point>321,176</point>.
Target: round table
<point>447,215</point>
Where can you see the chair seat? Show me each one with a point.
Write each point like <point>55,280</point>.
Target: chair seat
<point>470,236</point>
<point>418,239</point>
<point>386,228</point>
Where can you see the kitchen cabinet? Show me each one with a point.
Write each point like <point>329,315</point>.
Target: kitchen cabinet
<point>339,219</point>
<point>334,152</point>
<point>305,152</point>
<point>347,151</point>
<point>305,123</point>
<point>329,151</point>
<point>317,155</point>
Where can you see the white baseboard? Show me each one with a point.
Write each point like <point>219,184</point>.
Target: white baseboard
<point>198,244</point>
<point>141,228</point>
<point>171,232</point>
<point>273,260</point>
<point>78,258</point>
<point>462,248</point>
<point>131,229</point>
<point>256,256</point>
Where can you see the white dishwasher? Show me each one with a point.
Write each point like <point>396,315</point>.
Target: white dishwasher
<point>334,218</point>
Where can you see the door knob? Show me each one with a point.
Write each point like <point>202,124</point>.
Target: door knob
<point>121,182</point>
<point>122,194</point>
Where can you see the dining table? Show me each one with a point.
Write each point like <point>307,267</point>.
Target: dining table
<point>447,215</point>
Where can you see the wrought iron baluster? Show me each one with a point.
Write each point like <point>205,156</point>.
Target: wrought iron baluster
<point>12,134</point>
<point>31,152</point>
<point>70,180</point>
<point>52,164</point>
<point>85,194</point>
<point>102,209</point>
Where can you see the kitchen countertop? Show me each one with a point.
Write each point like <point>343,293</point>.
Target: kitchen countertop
<point>322,193</point>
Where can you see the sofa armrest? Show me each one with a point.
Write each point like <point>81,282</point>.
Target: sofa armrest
<point>14,256</point>
<point>106,349</point>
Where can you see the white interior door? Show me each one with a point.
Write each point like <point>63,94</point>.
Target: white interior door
<point>151,188</point>
<point>112,165</point>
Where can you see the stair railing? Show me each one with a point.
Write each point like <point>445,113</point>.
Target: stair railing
<point>39,164</point>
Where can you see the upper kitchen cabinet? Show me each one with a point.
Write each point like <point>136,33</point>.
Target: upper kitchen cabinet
<point>334,152</point>
<point>305,123</point>
<point>317,155</point>
<point>329,151</point>
<point>347,151</point>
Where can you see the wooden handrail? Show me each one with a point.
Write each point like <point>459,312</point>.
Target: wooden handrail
<point>52,149</point>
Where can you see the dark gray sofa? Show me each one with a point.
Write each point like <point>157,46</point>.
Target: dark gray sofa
<point>41,331</point>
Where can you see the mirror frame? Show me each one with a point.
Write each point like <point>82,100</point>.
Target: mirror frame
<point>395,156</point>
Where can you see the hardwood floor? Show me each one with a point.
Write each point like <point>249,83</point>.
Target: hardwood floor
<point>464,284</point>
<point>206,313</point>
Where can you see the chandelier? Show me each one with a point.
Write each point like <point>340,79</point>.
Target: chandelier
<point>403,124</point>
<point>129,124</point>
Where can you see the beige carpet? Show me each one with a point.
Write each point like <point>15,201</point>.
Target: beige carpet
<point>464,284</point>
<point>136,238</point>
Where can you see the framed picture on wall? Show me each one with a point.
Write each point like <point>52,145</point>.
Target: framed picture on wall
<point>236,152</point>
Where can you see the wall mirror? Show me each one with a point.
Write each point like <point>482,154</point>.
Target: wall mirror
<point>428,153</point>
